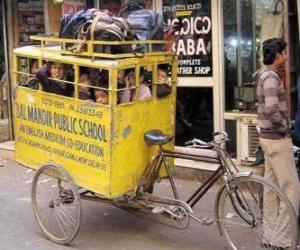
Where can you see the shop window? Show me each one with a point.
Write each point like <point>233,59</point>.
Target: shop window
<point>30,20</point>
<point>194,114</point>
<point>3,81</point>
<point>245,28</point>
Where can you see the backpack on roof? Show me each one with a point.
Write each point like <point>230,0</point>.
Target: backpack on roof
<point>146,24</point>
<point>99,25</point>
<point>70,23</point>
<point>108,28</point>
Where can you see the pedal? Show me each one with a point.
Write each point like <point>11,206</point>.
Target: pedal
<point>161,210</point>
<point>205,220</point>
<point>158,210</point>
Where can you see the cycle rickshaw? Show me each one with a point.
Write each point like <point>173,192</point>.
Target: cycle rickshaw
<point>116,152</point>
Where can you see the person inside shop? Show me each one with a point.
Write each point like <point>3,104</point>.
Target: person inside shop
<point>53,76</point>
<point>274,137</point>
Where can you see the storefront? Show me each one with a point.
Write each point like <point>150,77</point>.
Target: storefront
<point>219,48</point>
<point>5,114</point>
<point>246,24</point>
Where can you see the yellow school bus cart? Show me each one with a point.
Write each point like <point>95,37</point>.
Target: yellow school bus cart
<point>82,143</point>
<point>99,126</point>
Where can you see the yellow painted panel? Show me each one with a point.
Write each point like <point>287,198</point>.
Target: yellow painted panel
<point>68,132</point>
<point>101,147</point>
<point>130,153</point>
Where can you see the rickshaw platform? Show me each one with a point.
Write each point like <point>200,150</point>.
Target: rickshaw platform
<point>184,169</point>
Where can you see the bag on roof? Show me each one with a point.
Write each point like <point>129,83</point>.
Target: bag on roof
<point>70,23</point>
<point>146,24</point>
<point>100,25</point>
<point>107,28</point>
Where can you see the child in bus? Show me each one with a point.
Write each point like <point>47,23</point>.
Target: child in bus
<point>163,83</point>
<point>130,81</point>
<point>84,87</point>
<point>57,72</point>
<point>33,83</point>
<point>121,85</point>
<point>101,95</point>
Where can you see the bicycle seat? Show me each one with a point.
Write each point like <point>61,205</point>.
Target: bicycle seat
<point>156,137</point>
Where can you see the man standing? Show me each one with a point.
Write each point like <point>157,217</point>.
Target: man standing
<point>274,137</point>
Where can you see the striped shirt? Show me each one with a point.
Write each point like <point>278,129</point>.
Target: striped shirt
<point>272,112</point>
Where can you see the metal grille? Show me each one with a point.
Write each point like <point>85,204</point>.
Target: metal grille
<point>252,139</point>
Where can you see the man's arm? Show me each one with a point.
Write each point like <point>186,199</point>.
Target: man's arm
<point>272,111</point>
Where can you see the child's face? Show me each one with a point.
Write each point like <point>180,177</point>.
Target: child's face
<point>121,76</point>
<point>57,71</point>
<point>162,75</point>
<point>101,96</point>
<point>34,67</point>
<point>95,75</point>
<point>130,78</point>
<point>84,79</point>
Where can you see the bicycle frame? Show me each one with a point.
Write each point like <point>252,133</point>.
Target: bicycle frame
<point>161,158</point>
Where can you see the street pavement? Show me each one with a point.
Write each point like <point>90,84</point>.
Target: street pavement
<point>103,226</point>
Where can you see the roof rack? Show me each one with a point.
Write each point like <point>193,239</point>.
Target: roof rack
<point>102,49</point>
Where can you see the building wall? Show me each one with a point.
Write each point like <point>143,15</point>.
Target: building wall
<point>205,102</point>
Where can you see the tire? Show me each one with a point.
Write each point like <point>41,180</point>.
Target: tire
<point>240,215</point>
<point>56,204</point>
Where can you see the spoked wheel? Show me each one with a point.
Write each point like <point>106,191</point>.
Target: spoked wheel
<point>56,204</point>
<point>247,214</point>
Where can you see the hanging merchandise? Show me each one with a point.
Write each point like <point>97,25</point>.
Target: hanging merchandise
<point>30,20</point>
<point>272,19</point>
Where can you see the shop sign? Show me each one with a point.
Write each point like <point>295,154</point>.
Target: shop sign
<point>73,6</point>
<point>193,44</point>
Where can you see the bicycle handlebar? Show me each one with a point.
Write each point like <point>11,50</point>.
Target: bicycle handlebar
<point>202,144</point>
<point>223,133</point>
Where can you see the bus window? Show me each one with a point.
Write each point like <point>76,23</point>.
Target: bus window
<point>134,80</point>
<point>145,84</point>
<point>27,68</point>
<point>126,81</point>
<point>85,92</point>
<point>23,70</point>
<point>100,92</point>
<point>163,82</point>
<point>57,78</point>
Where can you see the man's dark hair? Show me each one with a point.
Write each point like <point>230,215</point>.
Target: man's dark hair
<point>271,47</point>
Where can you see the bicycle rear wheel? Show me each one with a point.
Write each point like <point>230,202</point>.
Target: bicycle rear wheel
<point>56,204</point>
<point>248,220</point>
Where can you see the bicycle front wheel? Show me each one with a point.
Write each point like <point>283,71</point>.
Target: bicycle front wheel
<point>254,214</point>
